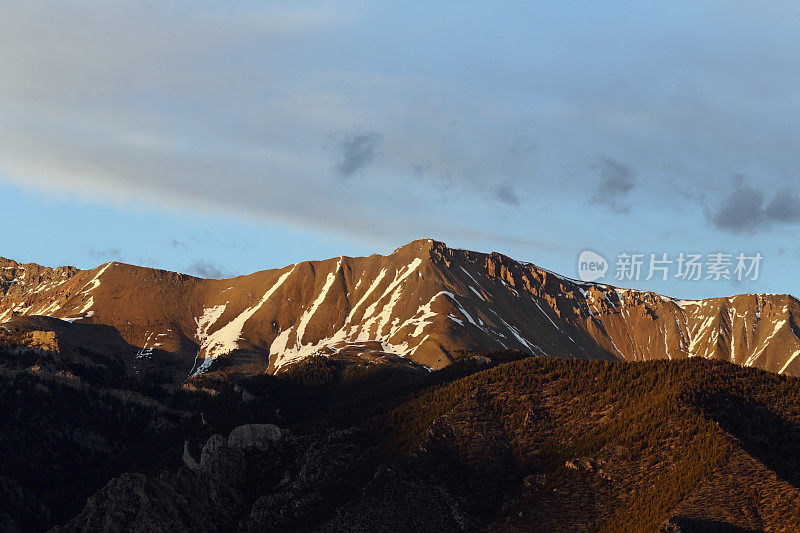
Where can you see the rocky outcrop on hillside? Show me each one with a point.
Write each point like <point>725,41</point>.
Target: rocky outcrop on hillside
<point>258,478</point>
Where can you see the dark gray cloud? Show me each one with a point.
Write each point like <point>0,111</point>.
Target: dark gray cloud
<point>506,194</point>
<point>742,210</point>
<point>105,254</point>
<point>745,209</point>
<point>356,152</point>
<point>208,268</point>
<point>616,182</point>
<point>784,207</point>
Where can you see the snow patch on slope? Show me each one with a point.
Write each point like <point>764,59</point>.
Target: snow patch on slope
<point>300,351</point>
<point>93,283</point>
<point>207,319</point>
<point>789,362</point>
<point>225,339</point>
<point>372,327</point>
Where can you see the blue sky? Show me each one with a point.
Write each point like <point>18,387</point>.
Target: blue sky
<point>226,138</point>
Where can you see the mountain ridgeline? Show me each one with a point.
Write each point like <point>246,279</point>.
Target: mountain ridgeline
<point>422,305</point>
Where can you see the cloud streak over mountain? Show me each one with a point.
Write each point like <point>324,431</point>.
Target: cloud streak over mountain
<point>331,116</point>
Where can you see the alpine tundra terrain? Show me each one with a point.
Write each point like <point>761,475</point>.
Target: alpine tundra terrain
<point>432,389</point>
<point>425,303</point>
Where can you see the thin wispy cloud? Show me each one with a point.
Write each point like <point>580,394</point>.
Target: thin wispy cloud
<point>208,268</point>
<point>105,254</point>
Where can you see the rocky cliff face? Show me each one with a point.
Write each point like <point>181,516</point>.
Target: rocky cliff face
<point>424,302</point>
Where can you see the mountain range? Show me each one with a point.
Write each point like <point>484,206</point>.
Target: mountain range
<point>423,304</point>
<point>431,389</point>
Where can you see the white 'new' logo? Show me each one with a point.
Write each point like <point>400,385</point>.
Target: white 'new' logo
<point>591,266</point>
